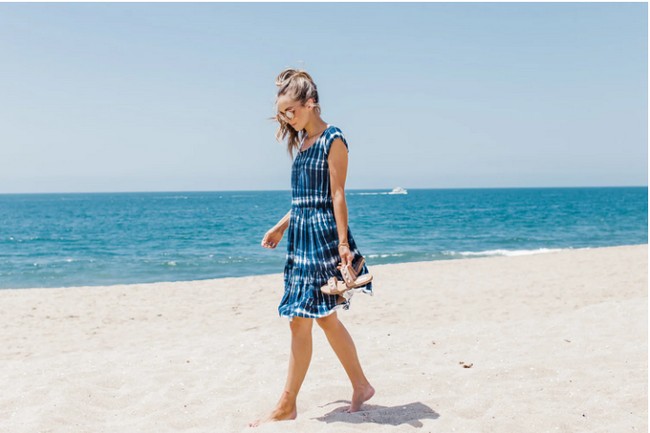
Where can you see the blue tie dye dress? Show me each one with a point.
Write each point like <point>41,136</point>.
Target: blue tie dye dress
<point>312,242</point>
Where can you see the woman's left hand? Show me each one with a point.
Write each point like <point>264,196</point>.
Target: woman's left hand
<point>346,255</point>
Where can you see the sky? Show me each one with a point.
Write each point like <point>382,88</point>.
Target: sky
<point>112,97</point>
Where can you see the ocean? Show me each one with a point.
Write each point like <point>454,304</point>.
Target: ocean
<point>62,240</point>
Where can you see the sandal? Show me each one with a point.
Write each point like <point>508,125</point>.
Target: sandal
<point>334,287</point>
<point>351,279</point>
<point>351,275</point>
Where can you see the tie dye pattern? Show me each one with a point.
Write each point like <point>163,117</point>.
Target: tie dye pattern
<point>312,242</point>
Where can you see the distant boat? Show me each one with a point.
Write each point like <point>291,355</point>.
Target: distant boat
<point>398,190</point>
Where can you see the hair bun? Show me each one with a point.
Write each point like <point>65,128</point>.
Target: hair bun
<point>286,75</point>
<point>289,74</point>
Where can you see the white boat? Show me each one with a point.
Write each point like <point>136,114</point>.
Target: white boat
<point>398,190</point>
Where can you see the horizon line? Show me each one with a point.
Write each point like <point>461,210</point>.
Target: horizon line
<point>351,189</point>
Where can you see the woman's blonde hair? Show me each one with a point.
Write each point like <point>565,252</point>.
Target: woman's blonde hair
<point>299,86</point>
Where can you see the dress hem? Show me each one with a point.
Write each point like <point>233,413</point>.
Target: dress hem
<point>342,306</point>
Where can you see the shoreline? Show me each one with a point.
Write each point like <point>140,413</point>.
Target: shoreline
<point>477,257</point>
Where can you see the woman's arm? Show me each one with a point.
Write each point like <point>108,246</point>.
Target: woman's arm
<point>273,237</point>
<point>338,166</point>
<point>284,222</point>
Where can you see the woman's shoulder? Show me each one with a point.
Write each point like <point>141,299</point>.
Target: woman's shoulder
<point>333,129</point>
<point>333,132</point>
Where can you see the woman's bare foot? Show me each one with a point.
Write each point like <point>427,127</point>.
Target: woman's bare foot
<point>359,396</point>
<point>280,413</point>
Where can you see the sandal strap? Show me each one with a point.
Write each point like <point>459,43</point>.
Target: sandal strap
<point>347,276</point>
<point>353,272</point>
<point>360,265</point>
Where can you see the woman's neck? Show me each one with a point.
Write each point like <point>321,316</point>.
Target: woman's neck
<point>315,128</point>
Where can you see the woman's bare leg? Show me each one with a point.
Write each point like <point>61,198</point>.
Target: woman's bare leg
<point>343,345</point>
<point>301,349</point>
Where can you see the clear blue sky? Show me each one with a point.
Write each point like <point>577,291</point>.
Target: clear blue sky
<point>171,97</point>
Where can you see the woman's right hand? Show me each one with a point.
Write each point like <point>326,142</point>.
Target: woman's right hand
<point>272,238</point>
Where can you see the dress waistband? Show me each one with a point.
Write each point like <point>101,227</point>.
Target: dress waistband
<point>312,203</point>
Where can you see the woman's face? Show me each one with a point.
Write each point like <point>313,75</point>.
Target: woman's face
<point>292,112</point>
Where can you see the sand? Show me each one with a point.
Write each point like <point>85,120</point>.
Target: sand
<point>552,342</point>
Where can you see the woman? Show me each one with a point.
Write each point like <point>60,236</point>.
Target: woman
<point>319,239</point>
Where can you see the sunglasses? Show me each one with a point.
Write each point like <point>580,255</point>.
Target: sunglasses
<point>288,114</point>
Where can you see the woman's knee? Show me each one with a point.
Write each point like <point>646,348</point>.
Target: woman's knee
<point>328,322</point>
<point>300,325</point>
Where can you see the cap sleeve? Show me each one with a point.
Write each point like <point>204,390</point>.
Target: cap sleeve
<point>333,134</point>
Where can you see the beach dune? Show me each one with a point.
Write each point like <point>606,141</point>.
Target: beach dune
<point>552,342</point>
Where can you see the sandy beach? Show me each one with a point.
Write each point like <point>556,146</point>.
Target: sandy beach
<point>552,342</point>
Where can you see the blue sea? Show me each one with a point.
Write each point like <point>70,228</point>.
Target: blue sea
<point>61,240</point>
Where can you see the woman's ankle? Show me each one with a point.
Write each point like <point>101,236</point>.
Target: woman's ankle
<point>361,385</point>
<point>287,400</point>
